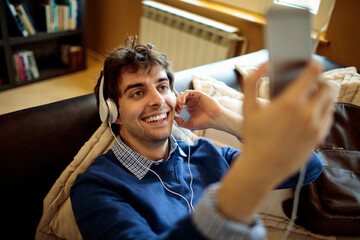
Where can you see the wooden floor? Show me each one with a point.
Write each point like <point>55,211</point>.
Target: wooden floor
<point>51,90</point>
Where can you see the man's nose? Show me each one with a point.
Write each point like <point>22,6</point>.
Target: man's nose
<point>155,98</point>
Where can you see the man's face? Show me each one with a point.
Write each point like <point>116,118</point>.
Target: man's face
<point>146,107</point>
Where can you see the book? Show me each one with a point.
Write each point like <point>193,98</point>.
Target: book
<point>26,63</point>
<point>17,19</point>
<point>63,17</point>
<point>33,65</point>
<point>72,55</point>
<point>26,18</point>
<point>64,53</point>
<point>60,17</point>
<point>16,67</point>
<point>25,66</point>
<point>78,15</point>
<point>70,14</point>
<point>47,12</point>
<point>54,16</point>
<point>21,67</point>
<point>73,12</point>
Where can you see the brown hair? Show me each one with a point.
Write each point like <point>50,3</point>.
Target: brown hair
<point>130,58</point>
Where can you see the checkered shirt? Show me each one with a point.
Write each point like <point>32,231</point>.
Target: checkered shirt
<point>136,163</point>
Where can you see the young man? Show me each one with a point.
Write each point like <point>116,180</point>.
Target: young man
<point>151,186</point>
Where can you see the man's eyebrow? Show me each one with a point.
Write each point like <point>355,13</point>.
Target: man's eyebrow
<point>163,79</point>
<point>131,86</point>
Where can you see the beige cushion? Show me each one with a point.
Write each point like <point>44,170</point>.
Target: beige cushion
<point>263,85</point>
<point>58,221</point>
<point>228,98</point>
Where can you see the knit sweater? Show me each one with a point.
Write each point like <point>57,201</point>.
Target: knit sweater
<point>110,202</point>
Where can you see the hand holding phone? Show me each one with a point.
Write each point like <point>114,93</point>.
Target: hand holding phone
<point>288,39</point>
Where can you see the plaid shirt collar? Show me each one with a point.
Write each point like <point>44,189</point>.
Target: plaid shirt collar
<point>136,163</point>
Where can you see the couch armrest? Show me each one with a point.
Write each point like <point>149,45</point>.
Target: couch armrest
<point>225,70</point>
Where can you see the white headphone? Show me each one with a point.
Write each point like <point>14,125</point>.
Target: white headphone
<point>107,109</point>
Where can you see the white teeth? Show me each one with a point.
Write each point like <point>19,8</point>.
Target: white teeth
<point>156,118</point>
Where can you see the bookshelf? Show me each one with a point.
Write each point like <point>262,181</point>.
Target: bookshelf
<point>46,44</point>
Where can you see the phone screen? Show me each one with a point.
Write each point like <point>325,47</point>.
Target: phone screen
<point>288,39</point>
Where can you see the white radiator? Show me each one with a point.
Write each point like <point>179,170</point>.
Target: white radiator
<point>188,40</point>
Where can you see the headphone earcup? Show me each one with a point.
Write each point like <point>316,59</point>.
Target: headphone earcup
<point>107,109</point>
<point>112,111</point>
<point>103,107</point>
<point>103,111</point>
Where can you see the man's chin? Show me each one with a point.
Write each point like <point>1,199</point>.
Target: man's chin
<point>160,137</point>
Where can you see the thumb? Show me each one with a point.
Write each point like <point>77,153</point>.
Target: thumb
<point>250,84</point>
<point>181,122</point>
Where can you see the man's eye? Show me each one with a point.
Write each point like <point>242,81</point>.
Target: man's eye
<point>137,94</point>
<point>164,87</point>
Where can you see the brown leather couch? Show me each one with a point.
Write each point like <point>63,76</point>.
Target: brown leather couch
<point>36,144</point>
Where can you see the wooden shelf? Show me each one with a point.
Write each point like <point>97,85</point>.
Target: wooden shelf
<point>42,36</point>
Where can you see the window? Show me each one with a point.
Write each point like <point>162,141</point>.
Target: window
<point>320,9</point>
<point>250,5</point>
<point>313,5</point>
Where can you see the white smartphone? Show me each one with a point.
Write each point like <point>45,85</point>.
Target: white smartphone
<point>288,40</point>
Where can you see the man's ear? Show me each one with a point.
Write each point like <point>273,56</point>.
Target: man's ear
<point>118,121</point>
<point>175,92</point>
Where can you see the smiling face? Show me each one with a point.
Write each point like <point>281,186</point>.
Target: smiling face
<point>146,107</point>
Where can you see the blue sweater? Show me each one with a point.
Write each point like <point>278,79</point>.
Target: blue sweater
<point>109,202</point>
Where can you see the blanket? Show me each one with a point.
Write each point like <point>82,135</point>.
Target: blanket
<point>346,79</point>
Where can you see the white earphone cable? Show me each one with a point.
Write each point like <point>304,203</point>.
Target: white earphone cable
<point>303,169</point>
<point>191,181</point>
<point>295,203</point>
<point>190,206</point>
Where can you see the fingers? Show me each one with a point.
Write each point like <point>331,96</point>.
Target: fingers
<point>180,101</point>
<point>251,81</point>
<point>189,98</point>
<point>322,98</point>
<point>303,86</point>
<point>323,107</point>
<point>327,122</point>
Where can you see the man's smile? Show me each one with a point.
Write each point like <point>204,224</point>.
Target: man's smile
<point>156,118</point>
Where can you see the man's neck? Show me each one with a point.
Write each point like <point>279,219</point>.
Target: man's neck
<point>154,151</point>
